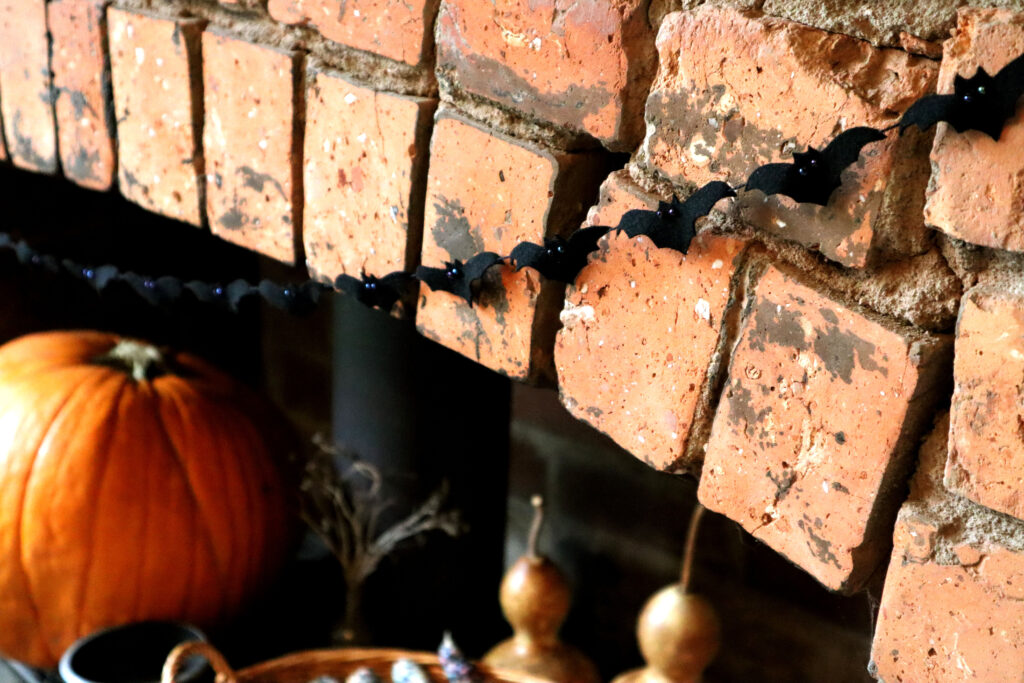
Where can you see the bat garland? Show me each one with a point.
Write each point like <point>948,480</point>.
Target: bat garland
<point>294,298</point>
<point>981,102</point>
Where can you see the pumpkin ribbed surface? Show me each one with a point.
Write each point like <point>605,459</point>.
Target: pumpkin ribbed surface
<point>125,499</point>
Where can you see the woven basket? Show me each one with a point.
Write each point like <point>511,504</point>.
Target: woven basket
<point>303,667</point>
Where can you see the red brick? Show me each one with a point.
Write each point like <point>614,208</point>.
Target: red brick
<point>155,70</point>
<point>25,81</point>
<point>251,145</point>
<point>813,436</point>
<point>81,79</point>
<point>582,64</point>
<point>642,333</point>
<point>976,192</point>
<point>401,30</point>
<point>952,606</point>
<point>488,192</point>
<point>364,178</point>
<point>760,88</point>
<point>986,454</point>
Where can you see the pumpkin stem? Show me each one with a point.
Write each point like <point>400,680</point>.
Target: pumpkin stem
<point>142,361</point>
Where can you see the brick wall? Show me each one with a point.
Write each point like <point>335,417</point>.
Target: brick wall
<point>792,361</point>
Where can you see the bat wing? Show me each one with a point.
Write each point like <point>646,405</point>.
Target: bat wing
<point>775,179</point>
<point>398,279</point>
<point>584,241</point>
<point>309,295</point>
<point>845,149</point>
<point>478,265</point>
<point>391,288</point>
<point>104,276</point>
<point>50,263</point>
<point>435,278</point>
<point>529,254</point>
<point>701,202</point>
<point>638,222</point>
<point>348,284</point>
<point>474,269</point>
<point>169,288</point>
<point>578,248</point>
<point>237,291</point>
<point>928,111</point>
<point>1009,86</point>
<point>1010,79</point>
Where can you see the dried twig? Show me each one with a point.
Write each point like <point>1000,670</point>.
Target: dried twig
<point>342,502</point>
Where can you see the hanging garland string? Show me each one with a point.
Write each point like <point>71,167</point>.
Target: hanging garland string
<point>982,102</point>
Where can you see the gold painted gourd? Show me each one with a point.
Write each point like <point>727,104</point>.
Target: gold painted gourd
<point>535,599</point>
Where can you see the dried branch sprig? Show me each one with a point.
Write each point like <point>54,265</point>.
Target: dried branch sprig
<point>342,503</point>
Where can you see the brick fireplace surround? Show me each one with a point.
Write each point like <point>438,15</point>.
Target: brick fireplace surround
<point>844,381</point>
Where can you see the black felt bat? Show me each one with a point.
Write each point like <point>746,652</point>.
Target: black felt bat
<point>981,102</point>
<point>814,175</point>
<point>458,277</point>
<point>376,292</point>
<point>299,299</point>
<point>559,259</point>
<point>206,292</point>
<point>673,225</point>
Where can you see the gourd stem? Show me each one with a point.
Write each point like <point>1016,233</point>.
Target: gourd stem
<point>538,521</point>
<point>691,542</point>
<point>140,360</point>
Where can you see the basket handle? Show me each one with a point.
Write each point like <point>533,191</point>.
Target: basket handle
<point>176,659</point>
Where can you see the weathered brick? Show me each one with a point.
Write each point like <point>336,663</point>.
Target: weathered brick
<point>364,178</point>
<point>952,606</point>
<point>761,88</point>
<point>976,191</point>
<point>398,29</point>
<point>81,79</point>
<point>882,22</point>
<point>582,64</point>
<point>251,145</point>
<point>986,454</point>
<point>815,430</point>
<point>155,71</point>
<point>641,342</point>
<point>25,81</point>
<point>488,192</point>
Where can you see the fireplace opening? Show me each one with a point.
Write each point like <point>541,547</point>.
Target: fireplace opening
<point>422,414</point>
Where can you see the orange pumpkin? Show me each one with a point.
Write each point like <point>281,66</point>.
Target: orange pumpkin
<point>133,485</point>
